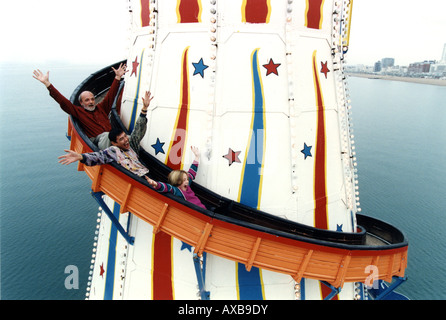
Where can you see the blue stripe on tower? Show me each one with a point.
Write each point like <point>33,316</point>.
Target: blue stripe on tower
<point>250,286</point>
<point>252,168</point>
<point>111,260</point>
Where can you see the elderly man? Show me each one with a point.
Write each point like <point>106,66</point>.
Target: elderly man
<point>93,117</point>
<point>124,149</point>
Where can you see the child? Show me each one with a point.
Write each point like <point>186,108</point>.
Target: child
<point>179,181</point>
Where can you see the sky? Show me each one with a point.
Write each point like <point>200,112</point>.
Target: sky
<point>95,31</point>
<point>407,30</point>
<point>74,31</point>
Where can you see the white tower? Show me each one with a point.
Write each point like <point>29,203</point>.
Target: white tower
<point>443,56</point>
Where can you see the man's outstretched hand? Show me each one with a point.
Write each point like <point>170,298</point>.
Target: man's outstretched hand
<point>120,71</point>
<point>44,78</point>
<point>69,157</point>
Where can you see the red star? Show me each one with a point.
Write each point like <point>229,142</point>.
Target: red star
<point>324,68</point>
<point>135,67</point>
<point>232,156</point>
<point>271,67</point>
<point>102,271</point>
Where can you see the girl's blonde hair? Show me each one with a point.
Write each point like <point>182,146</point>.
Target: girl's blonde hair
<point>175,177</point>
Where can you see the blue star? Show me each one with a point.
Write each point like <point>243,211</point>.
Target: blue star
<point>186,246</point>
<point>199,67</point>
<point>158,146</point>
<point>306,151</point>
<point>339,227</point>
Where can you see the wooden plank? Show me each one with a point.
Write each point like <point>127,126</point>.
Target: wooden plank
<point>298,276</point>
<point>158,224</point>
<point>76,145</point>
<point>253,254</point>
<point>97,179</point>
<point>70,128</point>
<point>375,261</point>
<point>389,276</point>
<point>403,264</point>
<point>342,271</point>
<point>126,199</point>
<point>199,247</point>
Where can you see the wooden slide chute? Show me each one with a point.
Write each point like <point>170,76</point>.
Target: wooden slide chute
<point>378,250</point>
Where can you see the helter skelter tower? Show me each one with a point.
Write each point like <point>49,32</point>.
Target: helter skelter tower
<point>259,87</point>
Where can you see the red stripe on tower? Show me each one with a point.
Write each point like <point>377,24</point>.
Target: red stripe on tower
<point>313,14</point>
<point>320,192</point>
<point>256,11</point>
<point>320,183</point>
<point>162,281</point>
<point>176,148</point>
<point>145,13</point>
<point>189,11</point>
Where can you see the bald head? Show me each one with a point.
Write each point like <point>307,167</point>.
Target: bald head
<point>86,99</point>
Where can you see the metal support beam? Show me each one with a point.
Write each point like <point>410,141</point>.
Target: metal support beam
<point>395,284</point>
<point>98,197</point>
<point>201,275</point>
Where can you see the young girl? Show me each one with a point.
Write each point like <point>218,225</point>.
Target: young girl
<point>179,182</point>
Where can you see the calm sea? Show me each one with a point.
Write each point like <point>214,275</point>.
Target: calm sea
<point>48,216</point>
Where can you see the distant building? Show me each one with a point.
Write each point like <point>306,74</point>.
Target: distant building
<point>420,67</point>
<point>438,70</point>
<point>387,62</point>
<point>426,69</point>
<point>377,67</point>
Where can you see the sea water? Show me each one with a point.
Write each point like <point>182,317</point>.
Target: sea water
<point>48,216</point>
<point>400,139</point>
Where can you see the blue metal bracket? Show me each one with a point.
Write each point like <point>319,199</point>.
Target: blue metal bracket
<point>201,275</point>
<point>334,290</point>
<point>98,197</point>
<point>386,290</point>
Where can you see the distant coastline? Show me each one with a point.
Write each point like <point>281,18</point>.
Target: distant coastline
<point>436,82</point>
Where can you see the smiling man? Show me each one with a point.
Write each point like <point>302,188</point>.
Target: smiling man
<point>92,116</point>
<point>123,149</point>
